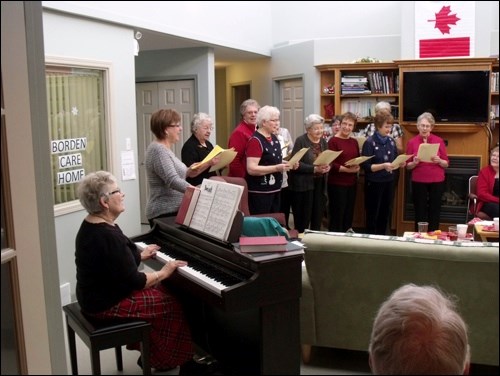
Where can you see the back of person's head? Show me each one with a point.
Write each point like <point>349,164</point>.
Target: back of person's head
<point>417,331</point>
<point>92,187</point>
<point>162,119</point>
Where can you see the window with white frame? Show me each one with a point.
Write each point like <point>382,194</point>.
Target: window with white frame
<point>78,127</point>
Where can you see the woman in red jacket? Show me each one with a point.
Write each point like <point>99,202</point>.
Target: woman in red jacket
<point>487,186</point>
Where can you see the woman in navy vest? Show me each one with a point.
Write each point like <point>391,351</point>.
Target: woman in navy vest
<point>265,166</point>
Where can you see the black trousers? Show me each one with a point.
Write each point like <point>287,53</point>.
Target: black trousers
<point>309,206</point>
<point>341,201</point>
<point>427,203</point>
<point>378,198</point>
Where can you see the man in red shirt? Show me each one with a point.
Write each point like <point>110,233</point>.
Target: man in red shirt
<point>239,138</point>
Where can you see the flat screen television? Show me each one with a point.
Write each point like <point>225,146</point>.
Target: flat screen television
<point>451,96</point>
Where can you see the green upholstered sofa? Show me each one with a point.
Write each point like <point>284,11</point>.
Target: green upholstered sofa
<point>346,278</point>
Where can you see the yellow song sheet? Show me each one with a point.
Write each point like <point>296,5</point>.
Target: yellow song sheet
<point>357,161</point>
<point>327,157</point>
<point>297,156</point>
<point>225,157</point>
<point>400,159</point>
<point>427,151</point>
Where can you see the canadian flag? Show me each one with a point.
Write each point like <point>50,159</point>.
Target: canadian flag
<point>444,28</point>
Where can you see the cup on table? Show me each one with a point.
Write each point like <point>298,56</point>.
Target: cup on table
<point>452,233</point>
<point>462,231</point>
<point>423,227</point>
<point>495,223</point>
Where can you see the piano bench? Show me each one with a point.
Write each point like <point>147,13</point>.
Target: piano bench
<point>103,334</point>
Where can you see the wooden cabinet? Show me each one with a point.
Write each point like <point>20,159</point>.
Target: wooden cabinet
<point>357,88</point>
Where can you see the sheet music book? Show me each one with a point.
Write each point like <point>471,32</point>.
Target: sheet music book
<point>327,157</point>
<point>357,161</point>
<point>216,208</point>
<point>400,159</point>
<point>297,156</point>
<point>427,151</point>
<point>188,205</point>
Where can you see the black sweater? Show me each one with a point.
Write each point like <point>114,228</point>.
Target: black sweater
<point>106,266</point>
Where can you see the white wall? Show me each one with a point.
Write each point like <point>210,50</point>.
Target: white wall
<point>78,38</point>
<point>244,25</point>
<point>299,21</point>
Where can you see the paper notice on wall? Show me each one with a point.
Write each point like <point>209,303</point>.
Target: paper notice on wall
<point>128,165</point>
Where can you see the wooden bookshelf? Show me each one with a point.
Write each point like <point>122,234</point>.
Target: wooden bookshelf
<point>382,81</point>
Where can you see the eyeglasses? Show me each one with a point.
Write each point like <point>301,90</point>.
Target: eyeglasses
<point>173,125</point>
<point>207,128</point>
<point>425,126</point>
<point>114,192</point>
<point>275,120</point>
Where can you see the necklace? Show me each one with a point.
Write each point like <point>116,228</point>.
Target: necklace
<point>104,219</point>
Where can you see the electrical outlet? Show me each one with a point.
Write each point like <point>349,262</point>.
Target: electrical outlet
<point>65,294</point>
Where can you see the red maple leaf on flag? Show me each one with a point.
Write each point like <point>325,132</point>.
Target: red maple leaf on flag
<point>444,19</point>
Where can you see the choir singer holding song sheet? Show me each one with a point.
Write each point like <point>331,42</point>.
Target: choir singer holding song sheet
<point>166,174</point>
<point>427,178</point>
<point>265,165</point>
<point>379,176</point>
<point>198,146</point>
<point>308,181</point>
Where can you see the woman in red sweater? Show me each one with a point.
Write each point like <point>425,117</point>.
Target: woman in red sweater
<point>487,186</point>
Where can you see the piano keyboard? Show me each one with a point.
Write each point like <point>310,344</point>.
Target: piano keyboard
<point>195,272</point>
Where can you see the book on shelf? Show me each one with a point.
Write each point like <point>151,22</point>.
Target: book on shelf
<point>188,204</point>
<point>216,208</point>
<point>293,248</point>
<point>253,244</point>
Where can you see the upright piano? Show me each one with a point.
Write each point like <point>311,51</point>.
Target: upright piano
<point>242,312</point>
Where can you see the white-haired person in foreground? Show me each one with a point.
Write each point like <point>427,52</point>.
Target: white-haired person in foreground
<point>418,331</point>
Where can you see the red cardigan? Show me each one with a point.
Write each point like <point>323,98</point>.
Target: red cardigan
<point>484,188</point>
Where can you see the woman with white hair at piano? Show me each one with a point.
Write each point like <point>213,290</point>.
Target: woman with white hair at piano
<point>109,284</point>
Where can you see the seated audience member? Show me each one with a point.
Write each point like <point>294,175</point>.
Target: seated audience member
<point>109,284</point>
<point>487,186</point>
<point>417,331</point>
<point>198,146</point>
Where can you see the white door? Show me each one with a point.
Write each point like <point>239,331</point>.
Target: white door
<point>292,106</point>
<point>151,96</point>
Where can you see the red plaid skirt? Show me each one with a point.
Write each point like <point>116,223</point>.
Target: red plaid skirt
<point>171,343</point>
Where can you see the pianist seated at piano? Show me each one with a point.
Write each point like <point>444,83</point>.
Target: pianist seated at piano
<point>110,286</point>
